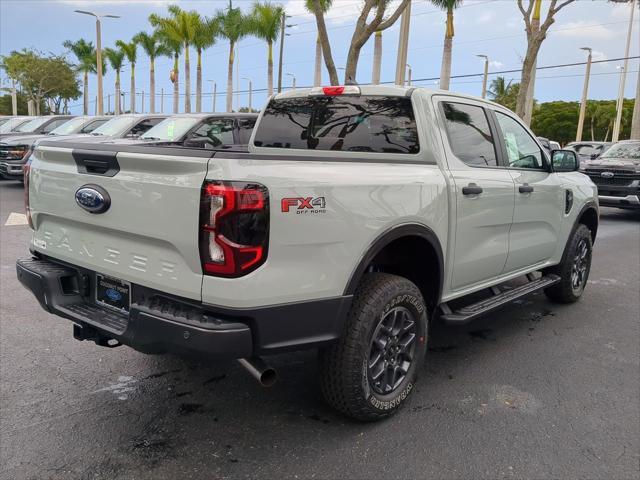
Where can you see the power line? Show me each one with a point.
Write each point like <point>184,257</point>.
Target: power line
<point>419,80</point>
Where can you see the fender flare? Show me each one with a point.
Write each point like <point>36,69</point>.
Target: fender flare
<point>390,235</point>
<point>590,205</point>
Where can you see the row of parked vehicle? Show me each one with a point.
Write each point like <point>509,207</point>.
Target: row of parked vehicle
<point>613,166</point>
<point>20,135</point>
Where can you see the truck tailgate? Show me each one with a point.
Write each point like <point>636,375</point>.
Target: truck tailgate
<point>149,234</point>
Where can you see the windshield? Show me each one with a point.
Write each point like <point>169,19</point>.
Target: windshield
<point>171,129</point>
<point>115,126</point>
<point>630,151</point>
<point>70,127</point>
<point>4,120</point>
<point>32,125</point>
<point>12,124</point>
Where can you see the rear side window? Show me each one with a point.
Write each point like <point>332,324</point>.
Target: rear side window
<point>349,124</point>
<point>245,127</point>
<point>469,134</point>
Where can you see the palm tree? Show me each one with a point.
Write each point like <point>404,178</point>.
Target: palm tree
<point>115,58</point>
<point>130,51</point>
<point>445,70</point>
<point>265,21</point>
<point>166,29</point>
<point>377,57</point>
<point>180,27</point>
<point>154,48</point>
<point>86,55</point>
<point>498,88</point>
<point>233,26</point>
<point>205,37</point>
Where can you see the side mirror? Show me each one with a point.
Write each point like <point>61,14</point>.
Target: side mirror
<point>564,161</point>
<point>594,156</point>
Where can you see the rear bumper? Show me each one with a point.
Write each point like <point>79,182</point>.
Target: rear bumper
<point>162,323</point>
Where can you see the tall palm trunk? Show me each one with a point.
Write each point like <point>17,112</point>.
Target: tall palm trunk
<point>230,78</point>
<point>317,77</point>
<point>85,93</point>
<point>187,80</point>
<point>117,99</point>
<point>152,85</point>
<point>176,83</point>
<point>132,100</point>
<point>377,58</point>
<point>445,70</point>
<point>199,82</point>
<point>270,67</point>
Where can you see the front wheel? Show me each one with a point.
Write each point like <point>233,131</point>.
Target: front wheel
<point>574,269</point>
<point>370,371</point>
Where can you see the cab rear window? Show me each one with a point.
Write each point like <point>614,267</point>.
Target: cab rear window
<point>342,123</point>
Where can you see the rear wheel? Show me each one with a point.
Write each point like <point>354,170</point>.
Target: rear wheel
<point>371,370</point>
<point>574,269</point>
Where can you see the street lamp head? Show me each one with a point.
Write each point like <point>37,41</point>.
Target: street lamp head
<point>483,56</point>
<point>587,49</point>
<point>84,12</point>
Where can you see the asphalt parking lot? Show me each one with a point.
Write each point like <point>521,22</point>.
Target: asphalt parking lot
<point>536,391</point>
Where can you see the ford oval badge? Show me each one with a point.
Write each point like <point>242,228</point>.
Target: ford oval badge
<point>93,199</point>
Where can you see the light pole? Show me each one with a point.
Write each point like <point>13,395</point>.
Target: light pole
<point>408,74</point>
<point>293,85</point>
<point>162,100</point>
<point>214,94</point>
<point>486,74</point>
<point>623,77</point>
<point>585,90</point>
<point>403,44</point>
<point>283,25</point>
<point>99,107</point>
<point>250,92</point>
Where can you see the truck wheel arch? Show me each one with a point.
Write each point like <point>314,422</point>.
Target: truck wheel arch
<point>588,216</point>
<point>431,258</point>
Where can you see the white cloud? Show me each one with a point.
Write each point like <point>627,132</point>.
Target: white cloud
<point>342,12</point>
<point>582,29</point>
<point>485,17</point>
<point>496,64</point>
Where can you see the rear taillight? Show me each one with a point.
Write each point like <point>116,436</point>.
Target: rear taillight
<point>234,228</point>
<point>27,172</point>
<point>335,90</point>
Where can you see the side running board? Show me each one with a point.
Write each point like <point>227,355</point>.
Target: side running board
<point>499,298</point>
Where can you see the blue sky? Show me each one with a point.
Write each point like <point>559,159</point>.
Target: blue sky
<point>491,27</point>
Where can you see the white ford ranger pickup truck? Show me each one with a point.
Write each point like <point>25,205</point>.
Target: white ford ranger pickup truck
<point>357,217</point>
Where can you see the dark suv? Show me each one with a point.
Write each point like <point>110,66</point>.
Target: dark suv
<point>617,174</point>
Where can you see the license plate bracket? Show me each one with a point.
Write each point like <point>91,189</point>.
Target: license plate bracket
<point>113,293</point>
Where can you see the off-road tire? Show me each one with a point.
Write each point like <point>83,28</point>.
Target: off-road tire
<point>566,291</point>
<point>345,378</point>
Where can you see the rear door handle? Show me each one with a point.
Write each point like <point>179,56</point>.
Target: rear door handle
<point>525,188</point>
<point>471,189</point>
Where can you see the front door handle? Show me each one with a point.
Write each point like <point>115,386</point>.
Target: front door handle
<point>525,188</point>
<point>471,189</point>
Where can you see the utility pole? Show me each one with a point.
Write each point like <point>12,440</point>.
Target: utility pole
<point>635,120</point>
<point>585,90</point>
<point>142,95</point>
<point>408,74</point>
<point>162,100</point>
<point>317,76</point>
<point>623,77</point>
<point>486,74</point>
<point>99,105</point>
<point>108,102</point>
<point>282,25</point>
<point>403,44</point>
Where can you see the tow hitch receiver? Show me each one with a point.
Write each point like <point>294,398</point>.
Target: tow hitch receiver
<point>85,332</point>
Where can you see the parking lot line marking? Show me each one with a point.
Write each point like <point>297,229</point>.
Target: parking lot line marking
<point>16,219</point>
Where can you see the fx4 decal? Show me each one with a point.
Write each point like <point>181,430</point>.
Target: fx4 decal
<point>303,205</point>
